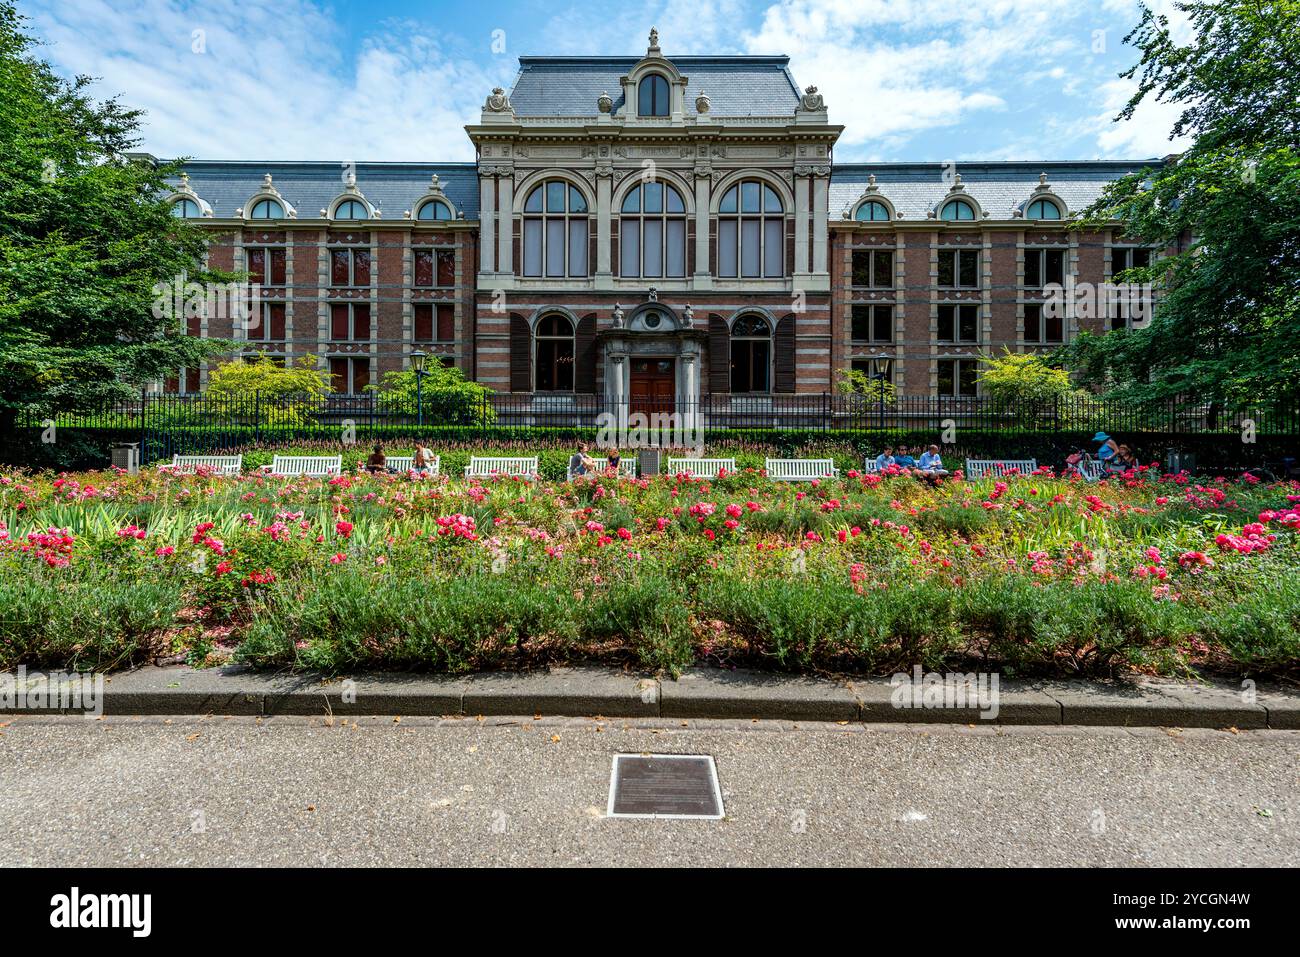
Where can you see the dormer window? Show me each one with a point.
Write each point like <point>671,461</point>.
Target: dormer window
<point>957,209</point>
<point>435,209</point>
<point>352,209</point>
<point>873,211</point>
<point>266,209</point>
<point>1042,209</point>
<point>186,209</point>
<point>652,96</point>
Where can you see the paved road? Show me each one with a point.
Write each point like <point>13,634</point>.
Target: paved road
<point>296,791</point>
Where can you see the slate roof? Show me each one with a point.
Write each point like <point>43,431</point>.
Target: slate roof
<point>999,188</point>
<point>736,85</point>
<point>393,188</point>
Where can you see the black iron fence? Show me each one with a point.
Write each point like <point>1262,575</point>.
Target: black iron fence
<point>166,424</point>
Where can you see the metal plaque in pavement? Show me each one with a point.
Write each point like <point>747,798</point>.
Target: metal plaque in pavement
<point>665,785</point>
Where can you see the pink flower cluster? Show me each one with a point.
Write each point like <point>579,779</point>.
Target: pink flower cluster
<point>457,526</point>
<point>1253,538</point>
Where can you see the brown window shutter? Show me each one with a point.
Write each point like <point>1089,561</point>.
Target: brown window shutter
<point>584,346</point>
<point>719,355</point>
<point>784,344</point>
<point>521,354</point>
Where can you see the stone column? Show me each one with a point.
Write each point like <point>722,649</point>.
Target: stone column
<point>820,198</point>
<point>618,370</point>
<point>801,215</point>
<point>692,395</point>
<point>604,226</point>
<point>703,197</point>
<point>487,220</point>
<point>505,224</point>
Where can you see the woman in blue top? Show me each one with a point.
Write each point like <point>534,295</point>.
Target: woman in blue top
<point>1108,452</point>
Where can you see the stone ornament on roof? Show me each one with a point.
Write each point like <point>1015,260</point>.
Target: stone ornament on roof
<point>812,101</point>
<point>604,102</point>
<point>702,102</point>
<point>654,41</point>
<point>497,102</point>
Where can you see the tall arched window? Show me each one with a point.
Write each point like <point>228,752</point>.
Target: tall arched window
<point>352,209</point>
<point>957,209</point>
<point>652,232</point>
<point>434,209</point>
<point>1042,209</point>
<point>186,209</point>
<point>751,231</point>
<point>555,231</point>
<point>266,209</point>
<point>751,355</point>
<point>553,354</point>
<point>873,212</point>
<point>652,96</point>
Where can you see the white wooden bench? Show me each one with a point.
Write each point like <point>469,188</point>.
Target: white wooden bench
<point>979,468</point>
<point>311,465</point>
<point>484,466</point>
<point>869,464</point>
<point>701,467</point>
<point>1091,470</point>
<point>800,470</point>
<point>220,464</point>
<point>405,463</point>
<point>626,469</point>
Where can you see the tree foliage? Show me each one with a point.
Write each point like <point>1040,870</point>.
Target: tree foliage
<point>447,396</point>
<point>1226,326</point>
<point>85,234</point>
<point>1027,385</point>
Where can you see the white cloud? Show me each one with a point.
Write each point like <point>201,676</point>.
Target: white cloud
<point>891,69</point>
<point>268,78</point>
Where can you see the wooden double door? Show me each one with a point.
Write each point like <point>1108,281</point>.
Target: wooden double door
<point>653,386</point>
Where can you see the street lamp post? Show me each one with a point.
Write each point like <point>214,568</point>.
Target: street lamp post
<point>418,358</point>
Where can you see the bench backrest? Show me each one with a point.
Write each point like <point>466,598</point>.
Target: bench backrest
<point>404,463</point>
<point>978,468</point>
<point>800,470</point>
<point>484,466</point>
<point>1092,470</point>
<point>869,464</point>
<point>223,464</point>
<point>701,467</point>
<point>307,465</point>
<point>626,468</point>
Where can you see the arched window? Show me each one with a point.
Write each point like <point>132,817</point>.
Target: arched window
<point>434,209</point>
<point>186,209</point>
<point>751,231</point>
<point>553,354</point>
<point>751,354</point>
<point>652,232</point>
<point>652,96</point>
<point>352,209</point>
<point>1043,209</point>
<point>873,211</point>
<point>266,209</point>
<point>555,231</point>
<point>957,209</point>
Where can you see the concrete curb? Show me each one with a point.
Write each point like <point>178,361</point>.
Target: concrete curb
<point>698,693</point>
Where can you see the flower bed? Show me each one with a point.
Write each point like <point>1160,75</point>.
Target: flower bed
<point>1030,574</point>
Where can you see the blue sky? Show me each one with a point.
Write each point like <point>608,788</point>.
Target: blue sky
<point>398,79</point>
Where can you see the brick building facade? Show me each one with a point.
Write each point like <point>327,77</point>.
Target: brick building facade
<point>652,230</point>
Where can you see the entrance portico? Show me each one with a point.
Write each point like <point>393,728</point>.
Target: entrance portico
<point>653,358</point>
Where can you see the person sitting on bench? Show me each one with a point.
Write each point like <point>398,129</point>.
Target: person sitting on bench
<point>377,462</point>
<point>931,464</point>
